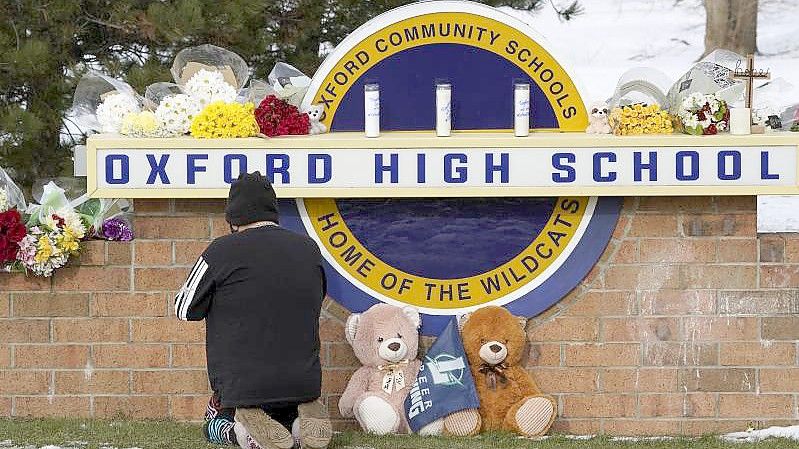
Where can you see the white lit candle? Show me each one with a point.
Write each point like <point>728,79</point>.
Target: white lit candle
<point>740,121</point>
<point>521,109</point>
<point>443,109</point>
<point>371,110</point>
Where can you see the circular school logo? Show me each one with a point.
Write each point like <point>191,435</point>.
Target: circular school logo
<point>440,255</point>
<point>447,256</point>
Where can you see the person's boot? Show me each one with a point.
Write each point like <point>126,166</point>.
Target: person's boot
<point>314,425</point>
<point>243,438</point>
<point>265,431</point>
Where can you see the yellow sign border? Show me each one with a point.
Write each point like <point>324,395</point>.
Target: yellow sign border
<point>409,141</point>
<point>346,65</point>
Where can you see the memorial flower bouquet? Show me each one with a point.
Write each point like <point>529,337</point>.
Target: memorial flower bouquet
<point>54,233</point>
<point>56,226</point>
<point>640,119</point>
<point>276,117</point>
<point>101,103</point>
<point>142,124</point>
<point>41,237</point>
<point>225,120</point>
<point>49,246</point>
<point>116,228</point>
<point>12,225</point>
<point>11,196</point>
<point>12,231</point>
<point>106,218</point>
<point>175,114</point>
<point>207,74</point>
<point>207,87</point>
<point>288,83</point>
<point>210,73</point>
<point>208,99</point>
<point>703,114</point>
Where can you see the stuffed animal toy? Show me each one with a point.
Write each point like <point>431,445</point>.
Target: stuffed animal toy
<point>385,339</point>
<point>510,400</point>
<point>598,120</point>
<point>315,113</point>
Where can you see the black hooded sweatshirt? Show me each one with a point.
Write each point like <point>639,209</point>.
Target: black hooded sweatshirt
<point>260,291</point>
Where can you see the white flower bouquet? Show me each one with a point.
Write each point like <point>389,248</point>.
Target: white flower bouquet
<point>703,114</point>
<point>11,196</point>
<point>210,73</point>
<point>101,103</point>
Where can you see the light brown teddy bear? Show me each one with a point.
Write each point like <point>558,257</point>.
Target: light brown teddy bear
<point>510,400</point>
<point>385,339</point>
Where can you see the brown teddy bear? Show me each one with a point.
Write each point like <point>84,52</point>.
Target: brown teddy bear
<point>510,400</point>
<point>385,339</point>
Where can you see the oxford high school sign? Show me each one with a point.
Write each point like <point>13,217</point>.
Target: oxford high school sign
<point>449,224</point>
<point>466,165</point>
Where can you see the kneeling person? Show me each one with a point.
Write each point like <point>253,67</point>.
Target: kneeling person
<point>260,290</point>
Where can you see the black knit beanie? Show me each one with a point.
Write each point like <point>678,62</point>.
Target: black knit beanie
<point>251,199</point>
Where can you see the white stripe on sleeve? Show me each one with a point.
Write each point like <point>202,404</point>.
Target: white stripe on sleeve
<point>190,288</point>
<point>181,295</point>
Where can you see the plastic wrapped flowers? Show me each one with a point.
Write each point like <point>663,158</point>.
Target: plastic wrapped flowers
<point>49,245</point>
<point>209,98</point>
<point>111,113</point>
<point>41,237</point>
<point>277,117</point>
<point>12,226</point>
<point>12,232</point>
<point>100,103</point>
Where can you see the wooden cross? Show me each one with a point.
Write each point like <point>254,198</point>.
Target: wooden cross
<point>750,75</point>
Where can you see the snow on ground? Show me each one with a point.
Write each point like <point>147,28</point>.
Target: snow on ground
<point>612,36</point>
<point>791,432</point>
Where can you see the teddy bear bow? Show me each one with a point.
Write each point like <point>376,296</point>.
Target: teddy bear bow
<point>492,372</point>
<point>394,378</point>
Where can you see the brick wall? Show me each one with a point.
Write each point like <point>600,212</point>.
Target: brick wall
<point>687,325</point>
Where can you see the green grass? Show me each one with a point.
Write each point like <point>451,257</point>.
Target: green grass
<point>97,433</point>
<point>168,434</point>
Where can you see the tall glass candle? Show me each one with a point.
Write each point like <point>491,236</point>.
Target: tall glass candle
<point>521,109</point>
<point>740,121</point>
<point>443,109</point>
<point>371,110</point>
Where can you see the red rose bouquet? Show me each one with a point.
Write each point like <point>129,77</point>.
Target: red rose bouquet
<point>12,231</point>
<point>276,117</point>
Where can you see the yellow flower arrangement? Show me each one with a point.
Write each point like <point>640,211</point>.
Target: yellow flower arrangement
<point>68,242</point>
<point>44,249</point>
<point>140,124</point>
<point>221,120</point>
<point>640,119</point>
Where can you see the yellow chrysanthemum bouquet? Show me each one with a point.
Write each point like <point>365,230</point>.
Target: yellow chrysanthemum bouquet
<point>640,119</point>
<point>224,120</point>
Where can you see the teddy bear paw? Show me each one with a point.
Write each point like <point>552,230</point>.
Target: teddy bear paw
<point>434,428</point>
<point>463,423</point>
<point>535,416</point>
<point>377,416</point>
